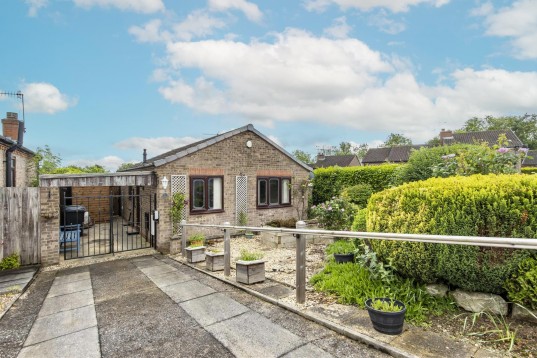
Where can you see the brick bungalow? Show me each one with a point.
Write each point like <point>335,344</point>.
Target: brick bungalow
<point>18,169</point>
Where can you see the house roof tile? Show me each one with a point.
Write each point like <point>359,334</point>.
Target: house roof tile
<point>335,160</point>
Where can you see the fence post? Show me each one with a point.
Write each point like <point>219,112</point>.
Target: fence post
<point>183,238</point>
<point>227,251</point>
<point>300,264</point>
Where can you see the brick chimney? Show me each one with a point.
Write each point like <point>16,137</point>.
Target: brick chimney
<point>10,126</point>
<point>445,134</point>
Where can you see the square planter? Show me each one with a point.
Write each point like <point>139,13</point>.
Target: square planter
<point>214,261</point>
<point>250,272</point>
<point>195,254</point>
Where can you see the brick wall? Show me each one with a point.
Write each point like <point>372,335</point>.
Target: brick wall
<point>50,223</point>
<point>232,158</point>
<point>25,168</point>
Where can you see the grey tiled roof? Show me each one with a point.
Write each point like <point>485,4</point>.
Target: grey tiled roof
<point>491,137</point>
<point>181,152</point>
<point>333,160</point>
<point>399,154</point>
<point>376,155</point>
<point>531,159</point>
<point>9,142</point>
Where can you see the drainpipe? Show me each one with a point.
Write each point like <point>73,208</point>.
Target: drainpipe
<point>9,154</point>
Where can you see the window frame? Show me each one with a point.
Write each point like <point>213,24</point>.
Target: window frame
<point>205,209</point>
<point>267,180</point>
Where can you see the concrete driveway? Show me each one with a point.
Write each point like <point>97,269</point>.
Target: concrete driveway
<point>152,306</point>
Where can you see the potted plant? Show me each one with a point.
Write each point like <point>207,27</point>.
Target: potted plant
<point>386,314</point>
<point>243,221</point>
<point>250,267</point>
<point>342,251</point>
<point>195,252</point>
<point>214,260</point>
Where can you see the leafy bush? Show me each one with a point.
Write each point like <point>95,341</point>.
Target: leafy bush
<point>358,194</point>
<point>329,182</point>
<point>492,205</point>
<point>10,262</point>
<point>529,170</point>
<point>522,287</point>
<point>250,255</point>
<point>353,284</point>
<point>360,220</point>
<point>342,246</point>
<point>335,214</point>
<point>196,240</point>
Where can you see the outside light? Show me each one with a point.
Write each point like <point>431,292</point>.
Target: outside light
<point>164,182</point>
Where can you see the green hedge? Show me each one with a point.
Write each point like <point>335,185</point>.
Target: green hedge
<point>529,170</point>
<point>479,205</point>
<point>329,182</point>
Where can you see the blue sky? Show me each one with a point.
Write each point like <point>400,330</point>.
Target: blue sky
<point>103,79</point>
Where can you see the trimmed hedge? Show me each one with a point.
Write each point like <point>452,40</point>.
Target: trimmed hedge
<point>329,182</point>
<point>479,205</point>
<point>529,170</point>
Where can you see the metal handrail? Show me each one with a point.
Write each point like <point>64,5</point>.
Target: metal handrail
<point>300,233</point>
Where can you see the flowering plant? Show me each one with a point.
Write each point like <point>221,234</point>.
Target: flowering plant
<point>335,214</point>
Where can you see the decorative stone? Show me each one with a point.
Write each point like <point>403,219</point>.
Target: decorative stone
<point>437,289</point>
<point>195,254</point>
<point>524,314</point>
<point>250,272</point>
<point>214,261</point>
<point>479,302</point>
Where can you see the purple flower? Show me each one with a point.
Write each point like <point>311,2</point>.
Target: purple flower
<point>524,150</point>
<point>503,150</point>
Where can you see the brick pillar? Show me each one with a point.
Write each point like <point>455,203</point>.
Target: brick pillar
<point>50,225</point>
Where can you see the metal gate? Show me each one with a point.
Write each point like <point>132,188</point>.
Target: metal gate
<point>99,225</point>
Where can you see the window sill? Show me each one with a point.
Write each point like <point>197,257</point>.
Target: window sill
<point>202,212</point>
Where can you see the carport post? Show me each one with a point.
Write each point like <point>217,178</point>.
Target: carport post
<point>300,264</point>
<point>227,251</point>
<point>183,238</point>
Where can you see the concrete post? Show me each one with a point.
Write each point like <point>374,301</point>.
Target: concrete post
<point>300,264</point>
<point>183,238</point>
<point>227,250</point>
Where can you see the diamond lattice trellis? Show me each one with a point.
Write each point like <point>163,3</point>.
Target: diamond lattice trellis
<point>178,185</point>
<point>241,196</point>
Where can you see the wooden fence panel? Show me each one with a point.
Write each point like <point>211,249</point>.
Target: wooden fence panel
<point>19,223</point>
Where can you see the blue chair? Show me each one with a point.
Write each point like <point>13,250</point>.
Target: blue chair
<point>70,234</point>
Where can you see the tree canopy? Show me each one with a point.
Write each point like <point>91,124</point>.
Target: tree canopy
<point>395,140</point>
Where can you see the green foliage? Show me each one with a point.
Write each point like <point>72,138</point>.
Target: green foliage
<point>196,240</point>
<point>250,255</point>
<point>342,246</point>
<point>176,210</point>
<point>385,305</point>
<point>501,331</point>
<point>529,170</point>
<point>522,286</point>
<point>396,139</point>
<point>335,214</point>
<point>360,220</point>
<point>242,220</point>
<point>303,156</point>
<point>353,284</point>
<point>329,182</point>
<point>358,194</point>
<point>10,262</point>
<point>125,166</point>
<point>287,223</point>
<point>492,205</point>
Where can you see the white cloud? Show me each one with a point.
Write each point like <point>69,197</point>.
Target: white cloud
<point>517,22</point>
<point>197,24</point>
<point>140,6</point>
<point>366,5</point>
<point>382,21</point>
<point>45,98</point>
<point>250,10</point>
<point>339,29</point>
<point>300,77</point>
<point>110,163</point>
<point>150,32</point>
<point>35,6</point>
<point>154,146</point>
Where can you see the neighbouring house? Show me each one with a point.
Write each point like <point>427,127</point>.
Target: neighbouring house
<point>325,161</point>
<point>18,168</point>
<point>531,159</point>
<point>401,154</point>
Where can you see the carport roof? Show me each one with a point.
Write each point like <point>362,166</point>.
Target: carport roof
<point>139,178</point>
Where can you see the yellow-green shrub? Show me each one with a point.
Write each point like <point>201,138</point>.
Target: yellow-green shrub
<point>479,205</point>
<point>529,170</point>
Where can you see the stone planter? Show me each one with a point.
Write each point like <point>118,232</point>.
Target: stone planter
<point>214,261</point>
<point>195,254</point>
<point>250,272</point>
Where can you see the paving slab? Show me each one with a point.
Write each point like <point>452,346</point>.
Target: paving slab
<point>213,308</point>
<point>430,344</point>
<point>67,302</point>
<point>59,288</point>
<point>14,285</point>
<point>81,344</point>
<point>79,276</point>
<point>307,351</point>
<point>340,346</point>
<point>17,276</point>
<point>157,270</point>
<point>252,335</point>
<point>150,262</point>
<point>63,322</point>
<point>170,278</point>
<point>188,290</point>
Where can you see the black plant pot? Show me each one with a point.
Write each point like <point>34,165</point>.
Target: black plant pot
<point>342,258</point>
<point>387,322</point>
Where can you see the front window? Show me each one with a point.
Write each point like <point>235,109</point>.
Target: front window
<point>273,192</point>
<point>206,194</point>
